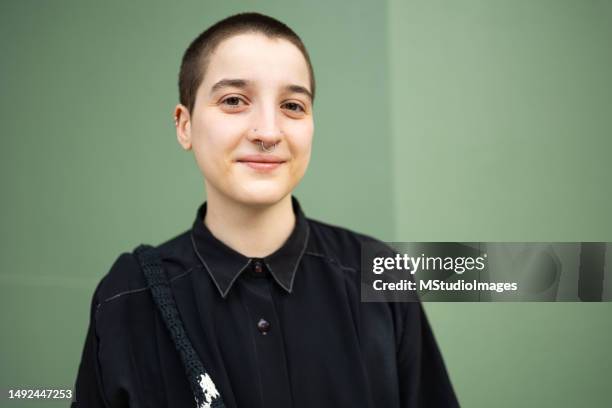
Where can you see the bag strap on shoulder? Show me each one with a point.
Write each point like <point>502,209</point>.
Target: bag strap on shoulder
<point>202,385</point>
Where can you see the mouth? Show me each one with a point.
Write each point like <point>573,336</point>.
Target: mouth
<point>261,162</point>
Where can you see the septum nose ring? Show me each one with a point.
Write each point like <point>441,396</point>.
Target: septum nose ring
<point>263,146</point>
<point>266,149</point>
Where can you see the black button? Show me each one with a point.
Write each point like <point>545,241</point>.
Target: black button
<point>263,326</point>
<point>258,267</point>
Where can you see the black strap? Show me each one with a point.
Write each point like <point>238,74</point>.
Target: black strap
<point>204,390</point>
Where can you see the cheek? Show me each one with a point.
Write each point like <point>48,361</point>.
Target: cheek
<point>214,138</point>
<point>301,145</point>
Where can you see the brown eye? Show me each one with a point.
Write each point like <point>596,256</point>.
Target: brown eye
<point>232,101</point>
<point>295,107</point>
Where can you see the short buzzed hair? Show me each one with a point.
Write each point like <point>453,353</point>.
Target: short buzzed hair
<point>197,56</point>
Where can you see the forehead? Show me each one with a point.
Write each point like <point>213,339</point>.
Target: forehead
<point>256,57</point>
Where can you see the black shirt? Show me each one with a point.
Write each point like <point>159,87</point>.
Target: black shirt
<point>287,330</point>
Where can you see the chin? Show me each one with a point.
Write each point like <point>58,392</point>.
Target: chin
<point>261,195</point>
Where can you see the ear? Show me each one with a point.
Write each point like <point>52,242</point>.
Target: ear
<point>182,122</point>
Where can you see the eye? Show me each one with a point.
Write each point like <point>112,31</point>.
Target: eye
<point>232,102</point>
<point>294,107</point>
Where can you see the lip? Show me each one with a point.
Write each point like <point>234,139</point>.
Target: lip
<point>261,162</point>
<point>261,158</point>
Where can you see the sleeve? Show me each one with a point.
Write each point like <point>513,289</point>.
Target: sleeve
<point>423,379</point>
<point>88,386</point>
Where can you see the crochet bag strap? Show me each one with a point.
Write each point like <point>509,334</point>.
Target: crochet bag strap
<point>204,390</point>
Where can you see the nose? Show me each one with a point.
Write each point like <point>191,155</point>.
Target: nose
<point>265,129</point>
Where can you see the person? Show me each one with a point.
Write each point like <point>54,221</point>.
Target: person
<point>269,298</point>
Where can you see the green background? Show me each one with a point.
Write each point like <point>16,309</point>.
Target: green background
<point>435,120</point>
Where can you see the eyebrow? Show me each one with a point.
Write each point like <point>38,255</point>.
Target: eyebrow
<point>243,84</point>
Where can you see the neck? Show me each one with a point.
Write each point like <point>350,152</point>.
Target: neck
<point>253,231</point>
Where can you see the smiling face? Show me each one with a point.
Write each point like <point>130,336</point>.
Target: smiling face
<point>256,90</point>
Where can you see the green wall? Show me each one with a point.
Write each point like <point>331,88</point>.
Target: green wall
<point>501,124</point>
<point>479,120</point>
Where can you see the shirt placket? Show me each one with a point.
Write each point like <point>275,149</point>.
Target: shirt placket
<point>265,329</point>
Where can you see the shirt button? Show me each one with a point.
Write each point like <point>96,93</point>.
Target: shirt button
<point>258,268</point>
<point>263,326</point>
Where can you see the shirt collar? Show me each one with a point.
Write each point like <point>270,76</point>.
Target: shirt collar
<point>225,265</point>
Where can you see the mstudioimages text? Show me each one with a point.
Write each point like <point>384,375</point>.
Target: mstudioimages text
<point>414,264</point>
<point>440,285</point>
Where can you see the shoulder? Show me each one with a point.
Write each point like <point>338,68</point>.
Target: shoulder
<point>340,243</point>
<point>125,275</point>
<point>123,278</point>
<point>346,247</point>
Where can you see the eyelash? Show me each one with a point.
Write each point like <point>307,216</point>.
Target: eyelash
<point>230,98</point>
<point>300,108</point>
